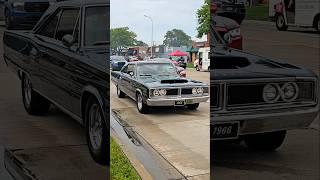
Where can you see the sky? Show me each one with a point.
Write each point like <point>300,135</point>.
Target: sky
<point>166,14</point>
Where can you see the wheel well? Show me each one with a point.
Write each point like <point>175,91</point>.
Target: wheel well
<point>315,20</point>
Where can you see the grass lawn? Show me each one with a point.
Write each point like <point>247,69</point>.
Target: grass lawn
<point>259,12</point>
<point>120,167</point>
<point>190,65</point>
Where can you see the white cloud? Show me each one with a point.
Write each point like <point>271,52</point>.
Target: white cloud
<point>166,14</point>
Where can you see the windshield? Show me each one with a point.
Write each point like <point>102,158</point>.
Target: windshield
<point>96,26</point>
<point>216,40</point>
<point>156,69</point>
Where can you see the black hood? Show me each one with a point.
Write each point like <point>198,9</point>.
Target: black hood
<point>234,64</point>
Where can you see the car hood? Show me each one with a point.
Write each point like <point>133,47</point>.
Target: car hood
<point>235,64</point>
<point>173,81</point>
<point>223,22</point>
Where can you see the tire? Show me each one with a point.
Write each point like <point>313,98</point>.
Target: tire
<point>96,138</point>
<point>33,102</point>
<point>193,106</point>
<point>141,106</point>
<point>280,23</point>
<point>265,141</point>
<point>120,94</point>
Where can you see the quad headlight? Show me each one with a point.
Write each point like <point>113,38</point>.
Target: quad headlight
<point>289,91</point>
<point>271,93</point>
<point>159,92</point>
<point>197,91</point>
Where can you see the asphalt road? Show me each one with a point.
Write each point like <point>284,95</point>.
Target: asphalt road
<point>298,157</point>
<point>180,136</point>
<point>52,146</point>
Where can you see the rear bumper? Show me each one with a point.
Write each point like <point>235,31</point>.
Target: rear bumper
<point>260,122</point>
<point>171,102</point>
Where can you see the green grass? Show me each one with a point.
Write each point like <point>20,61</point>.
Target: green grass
<point>190,65</point>
<point>120,167</point>
<point>259,12</point>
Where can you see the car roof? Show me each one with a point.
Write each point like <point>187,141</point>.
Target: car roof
<point>81,2</point>
<point>151,62</point>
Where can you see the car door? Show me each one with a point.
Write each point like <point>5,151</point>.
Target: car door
<point>56,58</point>
<point>130,79</point>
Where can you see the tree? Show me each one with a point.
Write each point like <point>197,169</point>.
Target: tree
<point>204,19</point>
<point>177,38</point>
<point>140,43</point>
<point>122,38</point>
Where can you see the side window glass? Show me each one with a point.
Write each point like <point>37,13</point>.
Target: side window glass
<point>50,28</point>
<point>131,69</point>
<point>125,69</point>
<point>67,23</point>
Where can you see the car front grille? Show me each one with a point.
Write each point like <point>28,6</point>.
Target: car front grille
<point>246,95</point>
<point>36,6</point>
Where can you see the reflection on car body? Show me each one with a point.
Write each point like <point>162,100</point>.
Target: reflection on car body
<point>257,99</point>
<point>63,61</point>
<point>157,83</point>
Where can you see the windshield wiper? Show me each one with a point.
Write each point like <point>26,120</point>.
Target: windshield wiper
<point>100,43</point>
<point>145,75</point>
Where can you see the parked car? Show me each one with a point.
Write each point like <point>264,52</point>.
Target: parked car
<point>24,14</point>
<point>229,30</point>
<point>299,13</point>
<point>230,9</point>
<point>257,99</point>
<point>65,64</point>
<point>117,62</point>
<point>180,70</point>
<point>156,83</point>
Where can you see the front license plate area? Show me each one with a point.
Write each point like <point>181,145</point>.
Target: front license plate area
<point>225,130</point>
<point>179,103</point>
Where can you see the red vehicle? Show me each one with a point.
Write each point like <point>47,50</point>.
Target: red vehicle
<point>229,30</point>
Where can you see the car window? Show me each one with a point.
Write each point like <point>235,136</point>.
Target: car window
<point>125,69</point>
<point>96,26</point>
<point>67,23</point>
<point>131,69</point>
<point>50,28</point>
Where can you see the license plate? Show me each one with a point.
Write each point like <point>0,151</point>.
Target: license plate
<point>179,103</point>
<point>229,9</point>
<point>225,130</point>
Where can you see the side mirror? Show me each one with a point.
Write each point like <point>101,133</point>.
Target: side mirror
<point>131,73</point>
<point>68,40</point>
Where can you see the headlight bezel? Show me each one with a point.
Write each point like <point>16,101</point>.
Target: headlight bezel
<point>277,91</point>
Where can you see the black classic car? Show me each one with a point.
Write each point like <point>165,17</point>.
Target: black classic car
<point>63,61</point>
<point>257,99</point>
<point>157,83</point>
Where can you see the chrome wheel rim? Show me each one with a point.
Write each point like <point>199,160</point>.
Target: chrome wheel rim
<point>95,127</point>
<point>280,21</point>
<point>27,91</point>
<point>139,101</point>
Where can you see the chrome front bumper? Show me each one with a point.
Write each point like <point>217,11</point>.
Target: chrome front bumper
<point>254,122</point>
<point>171,102</point>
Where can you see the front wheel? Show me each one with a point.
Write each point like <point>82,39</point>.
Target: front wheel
<point>34,103</point>
<point>265,141</point>
<point>281,23</point>
<point>96,131</point>
<point>120,94</point>
<point>141,106</point>
<point>193,106</point>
